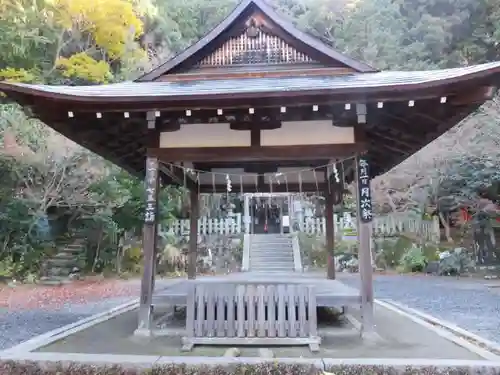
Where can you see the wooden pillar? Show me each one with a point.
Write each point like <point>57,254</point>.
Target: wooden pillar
<point>330,234</point>
<point>246,211</point>
<point>193,234</point>
<point>149,246</point>
<point>364,218</point>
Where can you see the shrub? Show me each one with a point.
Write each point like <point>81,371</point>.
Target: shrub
<point>392,252</point>
<point>413,260</point>
<point>455,262</point>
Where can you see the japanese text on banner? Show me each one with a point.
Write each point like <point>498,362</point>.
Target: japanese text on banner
<point>364,192</point>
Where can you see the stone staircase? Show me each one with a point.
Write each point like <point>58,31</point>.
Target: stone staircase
<point>271,253</point>
<point>63,267</point>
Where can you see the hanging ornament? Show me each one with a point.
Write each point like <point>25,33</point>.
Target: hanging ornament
<point>270,185</point>
<point>257,183</point>
<point>213,183</point>
<point>344,184</point>
<point>241,184</point>
<point>336,174</point>
<point>198,182</point>
<point>277,175</point>
<point>300,182</point>
<point>184,174</point>
<point>228,184</point>
<point>316,181</point>
<point>286,183</point>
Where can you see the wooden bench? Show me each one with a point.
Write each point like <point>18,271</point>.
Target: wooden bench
<point>240,314</point>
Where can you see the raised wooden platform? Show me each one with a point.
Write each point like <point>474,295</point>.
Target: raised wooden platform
<point>329,293</point>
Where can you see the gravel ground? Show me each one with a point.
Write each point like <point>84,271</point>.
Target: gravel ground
<point>468,303</point>
<point>21,325</point>
<point>60,306</point>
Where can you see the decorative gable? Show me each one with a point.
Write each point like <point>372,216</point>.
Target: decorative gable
<point>255,46</point>
<point>254,34</point>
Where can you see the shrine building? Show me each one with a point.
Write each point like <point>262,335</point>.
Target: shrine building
<point>265,105</point>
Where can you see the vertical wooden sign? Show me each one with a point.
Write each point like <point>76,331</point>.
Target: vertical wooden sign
<point>151,190</point>
<point>149,246</point>
<point>365,216</point>
<point>364,191</point>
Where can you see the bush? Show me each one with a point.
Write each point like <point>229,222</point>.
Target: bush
<point>455,262</point>
<point>313,249</point>
<point>413,260</point>
<point>391,252</point>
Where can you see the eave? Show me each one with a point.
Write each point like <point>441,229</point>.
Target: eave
<point>389,85</point>
<point>392,133</point>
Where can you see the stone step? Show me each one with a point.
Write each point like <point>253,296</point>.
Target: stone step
<point>272,258</point>
<point>62,262</point>
<point>271,243</point>
<point>272,264</point>
<point>273,270</point>
<point>271,253</point>
<point>267,251</point>
<point>54,280</point>
<point>71,250</point>
<point>268,246</point>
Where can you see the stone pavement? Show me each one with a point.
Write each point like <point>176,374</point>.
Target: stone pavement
<point>397,337</point>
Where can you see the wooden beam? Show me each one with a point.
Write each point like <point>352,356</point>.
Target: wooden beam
<point>193,234</point>
<point>217,73</point>
<point>475,95</point>
<point>392,139</point>
<point>267,153</point>
<point>264,188</point>
<point>178,177</point>
<point>365,260</point>
<point>330,233</point>
<point>255,167</point>
<point>240,118</point>
<point>149,247</point>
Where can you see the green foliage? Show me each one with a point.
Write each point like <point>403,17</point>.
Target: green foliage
<point>413,260</point>
<point>455,262</point>
<point>391,252</point>
<point>466,178</point>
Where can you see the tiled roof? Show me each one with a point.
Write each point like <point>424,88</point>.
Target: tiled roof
<point>358,81</point>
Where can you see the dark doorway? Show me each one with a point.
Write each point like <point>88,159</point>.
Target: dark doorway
<point>266,217</point>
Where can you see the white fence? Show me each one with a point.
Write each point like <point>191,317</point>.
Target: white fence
<point>383,226</point>
<point>206,225</point>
